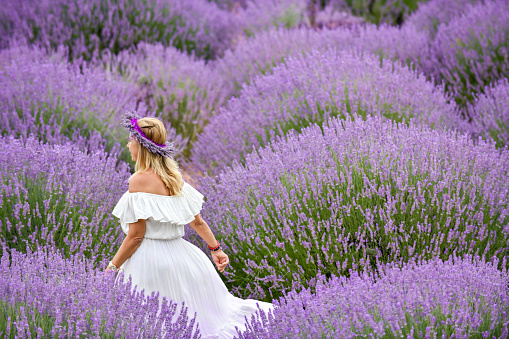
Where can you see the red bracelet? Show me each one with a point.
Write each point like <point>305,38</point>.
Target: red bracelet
<point>213,248</point>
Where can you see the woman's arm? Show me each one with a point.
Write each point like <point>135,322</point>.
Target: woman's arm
<point>200,226</point>
<point>203,230</point>
<point>136,229</point>
<point>131,242</point>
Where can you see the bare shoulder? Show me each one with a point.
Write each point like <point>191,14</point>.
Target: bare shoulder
<point>139,182</point>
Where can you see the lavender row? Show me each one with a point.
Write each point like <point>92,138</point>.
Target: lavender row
<point>89,28</point>
<point>442,299</point>
<point>310,89</point>
<point>348,194</point>
<point>59,196</point>
<point>58,102</point>
<point>260,54</point>
<point>46,294</point>
<point>471,51</point>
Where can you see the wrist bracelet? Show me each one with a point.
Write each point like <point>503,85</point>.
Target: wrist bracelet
<point>113,267</point>
<point>216,248</point>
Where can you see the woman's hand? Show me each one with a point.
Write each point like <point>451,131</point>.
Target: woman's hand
<point>108,269</point>
<point>220,259</point>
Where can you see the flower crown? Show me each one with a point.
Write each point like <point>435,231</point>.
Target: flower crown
<point>130,122</point>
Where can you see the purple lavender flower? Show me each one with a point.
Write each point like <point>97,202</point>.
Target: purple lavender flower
<point>260,54</point>
<point>60,196</point>
<point>91,27</point>
<point>70,297</point>
<point>311,88</point>
<point>59,102</point>
<point>471,51</point>
<point>454,298</point>
<point>332,16</point>
<point>430,15</point>
<point>347,194</point>
<point>490,113</point>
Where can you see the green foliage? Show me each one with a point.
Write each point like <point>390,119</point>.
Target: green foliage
<point>289,18</point>
<point>187,113</point>
<point>392,12</point>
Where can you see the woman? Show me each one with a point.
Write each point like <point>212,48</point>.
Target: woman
<point>152,214</point>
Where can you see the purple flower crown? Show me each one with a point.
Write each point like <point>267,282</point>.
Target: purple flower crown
<point>130,122</point>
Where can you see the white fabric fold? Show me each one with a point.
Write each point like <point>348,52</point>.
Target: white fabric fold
<point>176,210</point>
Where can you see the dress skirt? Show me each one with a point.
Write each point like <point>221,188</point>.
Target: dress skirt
<point>181,272</point>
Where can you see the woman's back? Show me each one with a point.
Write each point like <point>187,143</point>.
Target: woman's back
<point>165,215</point>
<point>148,182</point>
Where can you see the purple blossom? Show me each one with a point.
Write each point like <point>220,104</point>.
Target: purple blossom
<point>471,51</point>
<point>430,15</point>
<point>309,89</point>
<point>490,113</point>
<point>91,27</point>
<point>348,194</point>
<point>60,196</point>
<point>59,102</point>
<point>71,298</point>
<point>454,298</point>
<point>260,54</point>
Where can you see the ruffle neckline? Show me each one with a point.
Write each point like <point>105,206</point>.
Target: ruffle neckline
<point>174,209</point>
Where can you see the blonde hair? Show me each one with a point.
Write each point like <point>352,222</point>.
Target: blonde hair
<point>166,168</point>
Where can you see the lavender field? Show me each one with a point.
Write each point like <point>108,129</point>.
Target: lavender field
<point>353,155</point>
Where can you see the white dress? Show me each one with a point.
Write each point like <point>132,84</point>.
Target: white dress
<point>176,268</point>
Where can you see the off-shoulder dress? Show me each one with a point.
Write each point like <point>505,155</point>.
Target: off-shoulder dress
<point>176,268</point>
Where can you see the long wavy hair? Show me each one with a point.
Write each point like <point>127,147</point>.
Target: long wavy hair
<point>166,168</point>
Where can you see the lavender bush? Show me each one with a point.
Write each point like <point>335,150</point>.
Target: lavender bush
<point>179,88</point>
<point>260,54</point>
<point>430,15</point>
<point>348,194</point>
<point>490,113</point>
<point>311,88</point>
<point>89,27</point>
<point>46,294</point>
<point>331,17</point>
<point>471,51</point>
<point>263,15</point>
<point>59,102</point>
<point>59,196</point>
<point>433,299</point>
